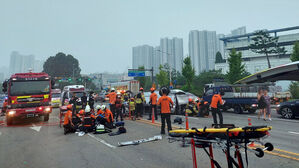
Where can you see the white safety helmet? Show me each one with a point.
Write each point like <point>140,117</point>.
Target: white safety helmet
<point>98,107</point>
<point>112,89</point>
<point>118,93</point>
<point>87,109</point>
<point>103,107</point>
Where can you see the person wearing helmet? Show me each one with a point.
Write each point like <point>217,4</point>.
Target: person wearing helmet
<point>190,107</point>
<point>153,103</point>
<point>118,108</point>
<point>112,98</point>
<point>68,125</point>
<point>215,106</point>
<point>105,117</point>
<point>164,102</point>
<point>139,103</point>
<point>132,106</point>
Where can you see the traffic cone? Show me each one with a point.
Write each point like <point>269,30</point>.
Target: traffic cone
<point>153,117</point>
<point>249,124</point>
<point>187,122</point>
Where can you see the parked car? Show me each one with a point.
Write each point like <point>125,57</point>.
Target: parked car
<point>289,109</point>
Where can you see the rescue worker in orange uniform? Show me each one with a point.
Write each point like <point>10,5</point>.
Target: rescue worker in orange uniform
<point>215,106</point>
<point>105,117</point>
<point>153,103</point>
<point>165,102</point>
<point>68,125</point>
<point>112,98</point>
<point>118,108</point>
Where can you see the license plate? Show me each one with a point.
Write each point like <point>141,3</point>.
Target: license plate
<point>29,110</point>
<point>30,115</point>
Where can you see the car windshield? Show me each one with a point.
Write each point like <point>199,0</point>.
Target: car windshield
<point>78,94</point>
<point>56,95</point>
<point>20,88</point>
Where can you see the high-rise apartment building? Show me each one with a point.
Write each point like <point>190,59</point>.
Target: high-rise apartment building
<point>142,56</point>
<point>202,49</point>
<point>22,63</point>
<point>172,52</point>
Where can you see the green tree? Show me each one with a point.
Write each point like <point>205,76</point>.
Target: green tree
<point>219,58</point>
<point>162,77</point>
<point>188,72</point>
<point>295,55</point>
<point>205,78</point>
<point>294,89</point>
<point>236,68</point>
<point>142,80</point>
<point>62,65</point>
<point>266,44</point>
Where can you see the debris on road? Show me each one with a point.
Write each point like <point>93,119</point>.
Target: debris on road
<point>136,142</point>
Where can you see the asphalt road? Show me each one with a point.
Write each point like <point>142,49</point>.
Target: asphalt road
<point>33,143</point>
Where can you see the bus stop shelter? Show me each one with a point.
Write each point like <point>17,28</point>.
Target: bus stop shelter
<point>283,72</point>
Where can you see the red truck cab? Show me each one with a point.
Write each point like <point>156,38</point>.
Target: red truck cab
<point>29,95</point>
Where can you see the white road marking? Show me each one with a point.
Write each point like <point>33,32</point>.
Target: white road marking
<point>36,128</point>
<point>102,141</point>
<point>278,119</point>
<point>291,132</point>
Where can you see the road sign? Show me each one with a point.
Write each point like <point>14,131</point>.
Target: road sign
<point>136,73</point>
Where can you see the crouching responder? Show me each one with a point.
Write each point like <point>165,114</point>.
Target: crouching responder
<point>215,106</point>
<point>165,102</point>
<point>68,125</point>
<point>190,107</point>
<point>153,103</point>
<point>132,105</point>
<point>105,117</point>
<point>87,119</point>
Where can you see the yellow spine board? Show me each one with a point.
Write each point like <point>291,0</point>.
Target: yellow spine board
<point>220,130</point>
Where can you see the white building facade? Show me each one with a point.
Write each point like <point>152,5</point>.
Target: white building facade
<point>172,53</point>
<point>257,62</point>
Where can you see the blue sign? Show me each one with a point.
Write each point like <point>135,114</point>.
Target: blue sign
<point>136,73</point>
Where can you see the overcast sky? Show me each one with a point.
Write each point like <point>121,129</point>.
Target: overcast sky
<point>101,33</point>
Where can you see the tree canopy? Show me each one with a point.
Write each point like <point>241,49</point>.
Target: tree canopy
<point>188,72</point>
<point>295,54</point>
<point>162,77</point>
<point>62,65</point>
<point>219,58</point>
<point>236,68</point>
<point>266,44</point>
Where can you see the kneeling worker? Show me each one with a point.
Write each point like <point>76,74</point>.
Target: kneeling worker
<point>105,117</point>
<point>68,125</point>
<point>165,101</point>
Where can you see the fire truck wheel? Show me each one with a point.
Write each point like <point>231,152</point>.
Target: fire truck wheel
<point>9,120</point>
<point>46,117</point>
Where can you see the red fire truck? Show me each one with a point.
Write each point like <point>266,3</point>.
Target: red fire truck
<point>29,95</point>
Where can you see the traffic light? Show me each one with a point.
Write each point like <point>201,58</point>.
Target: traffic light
<point>70,79</point>
<point>89,79</point>
<point>59,80</point>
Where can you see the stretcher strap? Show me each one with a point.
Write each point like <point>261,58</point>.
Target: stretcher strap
<point>214,161</point>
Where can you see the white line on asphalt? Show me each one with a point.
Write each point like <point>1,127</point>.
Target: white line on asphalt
<point>102,141</point>
<point>291,132</point>
<point>279,119</point>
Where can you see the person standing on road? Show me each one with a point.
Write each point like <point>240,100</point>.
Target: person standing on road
<point>165,102</point>
<point>84,100</point>
<point>261,103</point>
<point>139,103</point>
<point>91,100</point>
<point>268,104</point>
<point>118,108</point>
<point>112,98</point>
<point>153,103</point>
<point>215,105</point>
